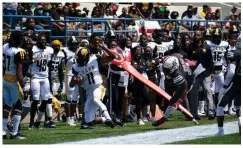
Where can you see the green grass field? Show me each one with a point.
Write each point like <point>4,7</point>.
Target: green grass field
<point>64,133</point>
<point>227,139</point>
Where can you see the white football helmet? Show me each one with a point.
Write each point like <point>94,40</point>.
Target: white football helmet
<point>171,64</point>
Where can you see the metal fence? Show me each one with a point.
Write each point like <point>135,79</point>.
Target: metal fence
<point>89,24</point>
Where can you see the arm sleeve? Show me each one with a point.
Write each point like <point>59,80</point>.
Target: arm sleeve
<point>74,71</point>
<point>181,92</point>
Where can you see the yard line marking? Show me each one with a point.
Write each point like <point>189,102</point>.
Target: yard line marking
<point>164,136</point>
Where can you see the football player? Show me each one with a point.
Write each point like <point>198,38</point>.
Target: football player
<point>218,48</point>
<point>40,85</point>
<point>13,82</point>
<point>174,76</point>
<point>87,71</point>
<point>231,89</point>
<point>71,92</point>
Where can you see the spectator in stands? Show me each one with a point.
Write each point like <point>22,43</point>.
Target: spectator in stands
<point>65,11</point>
<point>173,24</point>
<point>217,14</point>
<point>145,10</point>
<point>213,15</point>
<point>108,14</point>
<point>9,9</point>
<point>125,15</point>
<point>86,10</point>
<point>204,11</point>
<point>133,12</point>
<point>30,29</point>
<point>41,23</point>
<point>187,20</point>
<point>189,9</point>
<point>58,27</point>
<point>232,12</point>
<point>25,9</point>
<point>157,13</point>
<point>196,16</point>
<point>231,24</point>
<point>72,12</point>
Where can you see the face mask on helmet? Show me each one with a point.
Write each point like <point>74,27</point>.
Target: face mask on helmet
<point>82,57</point>
<point>170,65</point>
<point>217,36</point>
<point>73,43</point>
<point>56,45</point>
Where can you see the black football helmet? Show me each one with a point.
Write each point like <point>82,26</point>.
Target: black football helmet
<point>82,56</point>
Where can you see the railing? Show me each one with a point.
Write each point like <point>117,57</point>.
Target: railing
<point>90,21</point>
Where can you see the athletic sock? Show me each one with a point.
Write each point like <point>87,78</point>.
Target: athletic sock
<point>39,116</point>
<point>5,122</point>
<point>16,121</point>
<point>49,110</point>
<point>168,111</point>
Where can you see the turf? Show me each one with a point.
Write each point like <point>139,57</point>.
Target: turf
<point>64,133</point>
<point>227,139</point>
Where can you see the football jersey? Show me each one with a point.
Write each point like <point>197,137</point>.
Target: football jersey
<point>11,57</point>
<point>40,68</point>
<point>218,52</point>
<point>55,62</point>
<point>71,60</point>
<point>162,48</point>
<point>90,72</point>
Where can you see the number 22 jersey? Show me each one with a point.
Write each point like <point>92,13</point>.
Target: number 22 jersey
<point>40,68</point>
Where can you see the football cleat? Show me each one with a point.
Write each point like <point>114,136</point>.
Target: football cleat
<point>110,123</point>
<point>49,124</point>
<point>31,125</point>
<point>211,117</point>
<point>37,125</point>
<point>85,126</point>
<point>220,133</point>
<point>117,122</point>
<point>10,127</point>
<point>159,122</point>
<point>140,122</point>
<point>17,136</point>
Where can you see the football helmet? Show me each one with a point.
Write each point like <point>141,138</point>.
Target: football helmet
<point>82,56</point>
<point>73,43</point>
<point>170,64</point>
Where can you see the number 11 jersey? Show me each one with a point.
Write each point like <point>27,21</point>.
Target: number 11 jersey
<point>40,68</point>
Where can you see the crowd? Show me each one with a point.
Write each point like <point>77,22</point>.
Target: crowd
<point>189,67</point>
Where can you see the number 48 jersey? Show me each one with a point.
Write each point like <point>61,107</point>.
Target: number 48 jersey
<point>90,73</point>
<point>40,68</point>
<point>218,52</point>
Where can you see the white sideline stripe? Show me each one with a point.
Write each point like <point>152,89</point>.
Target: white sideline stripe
<point>164,136</point>
<point>229,5</point>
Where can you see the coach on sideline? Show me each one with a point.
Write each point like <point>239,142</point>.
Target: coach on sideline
<point>203,56</point>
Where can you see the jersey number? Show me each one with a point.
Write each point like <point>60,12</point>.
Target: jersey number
<point>217,56</point>
<point>90,78</point>
<point>54,66</point>
<point>42,65</point>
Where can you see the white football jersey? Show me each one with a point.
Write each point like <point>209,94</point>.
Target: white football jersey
<point>90,73</point>
<point>162,48</point>
<point>71,60</point>
<point>40,68</point>
<point>9,55</point>
<point>56,60</point>
<point>218,52</point>
<point>151,44</point>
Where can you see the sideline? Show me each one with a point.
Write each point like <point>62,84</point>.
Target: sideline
<point>164,136</point>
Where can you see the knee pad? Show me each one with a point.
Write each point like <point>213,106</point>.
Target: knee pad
<point>220,111</point>
<point>42,107</point>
